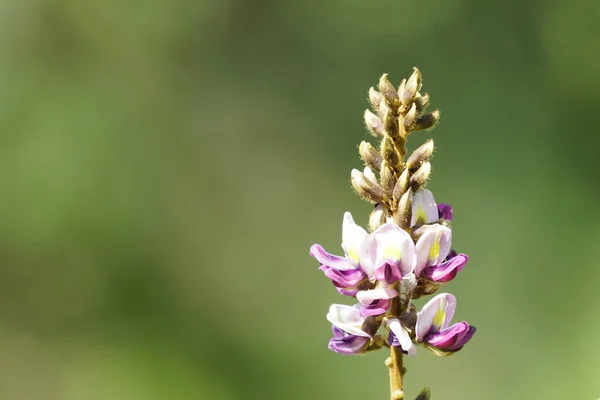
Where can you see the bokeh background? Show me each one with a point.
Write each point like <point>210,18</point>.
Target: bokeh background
<point>165,166</point>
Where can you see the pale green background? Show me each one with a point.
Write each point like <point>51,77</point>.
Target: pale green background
<point>165,166</point>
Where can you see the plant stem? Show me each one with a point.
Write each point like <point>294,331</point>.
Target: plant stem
<point>396,374</point>
<point>394,363</point>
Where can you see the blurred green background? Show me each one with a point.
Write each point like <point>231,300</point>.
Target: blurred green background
<point>165,166</point>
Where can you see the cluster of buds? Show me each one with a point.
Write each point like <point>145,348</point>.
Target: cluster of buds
<point>406,254</point>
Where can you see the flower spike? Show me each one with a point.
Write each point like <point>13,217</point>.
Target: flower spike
<point>406,252</point>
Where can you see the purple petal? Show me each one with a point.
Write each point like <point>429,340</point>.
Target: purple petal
<point>388,272</point>
<point>452,254</point>
<point>445,211</point>
<point>330,260</point>
<point>452,338</point>
<point>343,278</point>
<point>344,343</point>
<point>447,270</point>
<point>378,307</point>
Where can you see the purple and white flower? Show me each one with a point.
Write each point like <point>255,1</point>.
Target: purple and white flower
<point>386,255</point>
<point>349,329</point>
<point>399,337</point>
<point>433,322</point>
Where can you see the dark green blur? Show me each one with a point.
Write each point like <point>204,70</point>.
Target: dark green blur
<point>165,166</point>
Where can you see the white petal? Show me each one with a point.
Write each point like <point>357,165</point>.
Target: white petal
<point>433,247</point>
<point>347,318</point>
<point>395,245</point>
<point>366,297</point>
<point>358,245</point>
<point>402,336</point>
<point>424,208</point>
<point>435,315</point>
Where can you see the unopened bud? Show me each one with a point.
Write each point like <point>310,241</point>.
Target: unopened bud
<point>421,175</point>
<point>401,88</point>
<point>410,118</point>
<point>403,216</point>
<point>422,101</point>
<point>390,123</point>
<point>374,124</point>
<point>370,155</point>
<point>387,178</point>
<point>427,121</point>
<point>377,217</point>
<point>424,395</point>
<point>388,151</point>
<point>365,188</point>
<point>412,87</point>
<point>368,173</point>
<point>420,155</point>
<point>375,98</point>
<point>402,184</point>
<point>387,90</point>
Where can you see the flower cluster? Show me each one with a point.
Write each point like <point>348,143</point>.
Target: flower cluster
<point>386,264</point>
<point>407,253</point>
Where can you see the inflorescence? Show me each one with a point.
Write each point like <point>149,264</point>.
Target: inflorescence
<point>407,252</point>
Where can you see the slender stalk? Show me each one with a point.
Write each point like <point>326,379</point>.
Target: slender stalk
<point>394,362</point>
<point>396,374</point>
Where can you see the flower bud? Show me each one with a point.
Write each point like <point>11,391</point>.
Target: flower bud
<point>401,88</point>
<point>403,216</point>
<point>387,90</point>
<point>388,152</point>
<point>370,155</point>
<point>412,87</point>
<point>375,98</point>
<point>422,101</point>
<point>387,178</point>
<point>420,155</point>
<point>390,123</point>
<point>410,118</point>
<point>365,188</point>
<point>424,395</point>
<point>427,121</point>
<point>402,184</point>
<point>377,217</point>
<point>374,124</point>
<point>421,176</point>
<point>383,107</point>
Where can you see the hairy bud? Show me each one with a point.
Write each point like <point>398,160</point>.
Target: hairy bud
<point>421,175</point>
<point>366,188</point>
<point>374,124</point>
<point>387,178</point>
<point>412,87</point>
<point>422,101</point>
<point>404,214</point>
<point>390,123</point>
<point>375,98</point>
<point>370,155</point>
<point>420,155</point>
<point>410,118</point>
<point>387,90</point>
<point>402,184</point>
<point>427,121</point>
